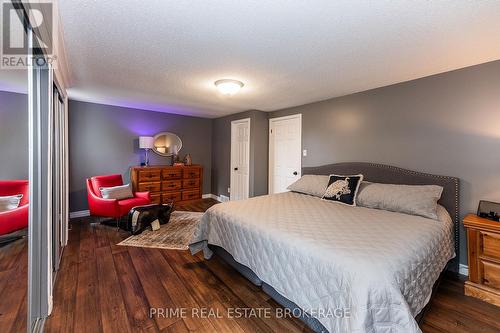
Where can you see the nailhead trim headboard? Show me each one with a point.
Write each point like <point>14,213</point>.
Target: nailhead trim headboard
<point>380,173</point>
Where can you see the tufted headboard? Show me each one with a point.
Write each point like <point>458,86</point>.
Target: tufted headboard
<point>380,173</point>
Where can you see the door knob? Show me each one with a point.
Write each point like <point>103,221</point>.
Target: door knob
<point>295,173</point>
<point>235,169</point>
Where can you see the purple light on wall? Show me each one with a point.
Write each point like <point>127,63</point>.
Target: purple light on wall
<point>141,125</point>
<point>5,86</point>
<point>150,106</point>
<point>140,129</point>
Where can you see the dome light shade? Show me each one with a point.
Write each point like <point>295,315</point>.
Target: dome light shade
<point>228,87</point>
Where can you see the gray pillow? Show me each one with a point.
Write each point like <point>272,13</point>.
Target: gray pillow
<point>418,200</point>
<point>10,202</point>
<point>117,192</point>
<point>310,184</point>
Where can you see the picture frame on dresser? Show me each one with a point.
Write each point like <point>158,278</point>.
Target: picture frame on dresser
<point>177,184</point>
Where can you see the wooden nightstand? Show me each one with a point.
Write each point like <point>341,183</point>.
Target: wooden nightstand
<point>483,240</point>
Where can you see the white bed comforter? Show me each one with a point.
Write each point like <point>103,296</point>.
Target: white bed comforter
<point>355,269</point>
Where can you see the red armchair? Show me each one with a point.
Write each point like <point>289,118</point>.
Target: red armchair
<point>15,219</point>
<point>111,207</point>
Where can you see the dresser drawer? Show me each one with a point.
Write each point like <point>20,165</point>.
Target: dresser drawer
<point>171,174</point>
<point>191,195</point>
<point>490,245</point>
<point>171,185</point>
<point>149,175</point>
<point>155,198</point>
<point>491,274</point>
<point>191,173</point>
<point>191,183</point>
<point>150,187</point>
<point>172,196</point>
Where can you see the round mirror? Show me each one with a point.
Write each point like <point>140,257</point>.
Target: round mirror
<point>167,144</point>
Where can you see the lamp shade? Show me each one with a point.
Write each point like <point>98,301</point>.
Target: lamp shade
<point>146,142</point>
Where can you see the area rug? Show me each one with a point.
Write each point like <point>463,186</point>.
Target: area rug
<point>175,235</point>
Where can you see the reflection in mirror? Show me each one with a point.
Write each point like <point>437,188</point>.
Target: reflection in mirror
<point>167,144</point>
<point>14,199</point>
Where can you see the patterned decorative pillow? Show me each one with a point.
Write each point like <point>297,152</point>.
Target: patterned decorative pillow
<point>117,192</point>
<point>343,189</point>
<point>10,202</point>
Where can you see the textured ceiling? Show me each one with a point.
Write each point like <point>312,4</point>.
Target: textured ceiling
<point>165,55</point>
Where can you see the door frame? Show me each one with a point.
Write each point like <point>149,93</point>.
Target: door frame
<point>231,181</point>
<point>271,147</point>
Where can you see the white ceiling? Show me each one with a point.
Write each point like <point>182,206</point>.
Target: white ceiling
<point>165,55</point>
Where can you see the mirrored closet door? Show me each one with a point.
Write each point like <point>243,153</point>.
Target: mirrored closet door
<point>59,177</point>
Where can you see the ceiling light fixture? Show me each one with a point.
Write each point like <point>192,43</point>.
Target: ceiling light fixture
<point>228,87</point>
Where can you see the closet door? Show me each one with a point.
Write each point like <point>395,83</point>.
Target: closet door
<point>58,177</point>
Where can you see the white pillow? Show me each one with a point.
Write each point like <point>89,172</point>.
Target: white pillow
<point>444,216</point>
<point>10,202</point>
<point>418,200</point>
<point>310,184</point>
<point>117,192</point>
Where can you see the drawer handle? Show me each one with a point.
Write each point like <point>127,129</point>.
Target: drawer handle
<point>486,280</point>
<point>172,174</point>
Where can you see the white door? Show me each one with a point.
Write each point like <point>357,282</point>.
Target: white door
<point>240,159</point>
<point>285,145</point>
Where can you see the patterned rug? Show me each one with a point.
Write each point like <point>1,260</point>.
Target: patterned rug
<point>175,235</point>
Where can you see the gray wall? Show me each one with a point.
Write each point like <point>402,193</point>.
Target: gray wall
<point>103,139</point>
<point>221,152</point>
<point>446,124</point>
<point>13,135</point>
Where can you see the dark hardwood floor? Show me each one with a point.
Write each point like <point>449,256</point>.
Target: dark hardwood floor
<point>14,285</point>
<point>103,287</point>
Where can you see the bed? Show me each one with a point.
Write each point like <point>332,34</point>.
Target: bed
<point>347,269</point>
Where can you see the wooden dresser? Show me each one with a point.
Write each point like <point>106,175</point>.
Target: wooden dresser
<point>168,183</point>
<point>483,240</point>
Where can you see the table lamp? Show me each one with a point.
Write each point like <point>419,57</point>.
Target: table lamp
<point>147,143</point>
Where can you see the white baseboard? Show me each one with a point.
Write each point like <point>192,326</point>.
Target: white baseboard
<point>80,213</point>
<point>463,269</point>
<point>220,198</point>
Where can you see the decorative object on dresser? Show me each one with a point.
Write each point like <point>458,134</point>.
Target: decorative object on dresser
<point>188,159</point>
<point>146,143</point>
<point>483,240</point>
<point>169,183</point>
